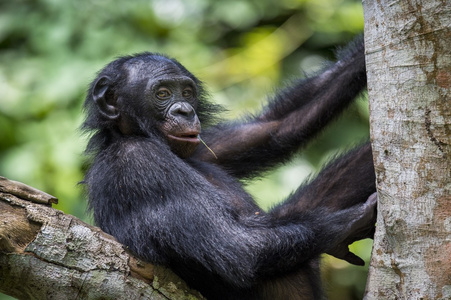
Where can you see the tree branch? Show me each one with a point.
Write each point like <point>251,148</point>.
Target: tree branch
<point>46,254</point>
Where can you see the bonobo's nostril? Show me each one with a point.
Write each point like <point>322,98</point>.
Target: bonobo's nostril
<point>182,109</point>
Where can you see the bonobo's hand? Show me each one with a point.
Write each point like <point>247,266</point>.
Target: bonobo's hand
<point>360,228</point>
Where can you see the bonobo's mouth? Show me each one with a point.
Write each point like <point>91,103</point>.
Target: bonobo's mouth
<point>189,137</point>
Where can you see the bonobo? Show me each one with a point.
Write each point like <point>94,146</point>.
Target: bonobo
<point>175,202</point>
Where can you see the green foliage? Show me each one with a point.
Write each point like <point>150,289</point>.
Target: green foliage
<point>243,50</point>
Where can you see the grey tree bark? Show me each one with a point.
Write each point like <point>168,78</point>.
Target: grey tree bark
<point>46,254</point>
<point>408,48</point>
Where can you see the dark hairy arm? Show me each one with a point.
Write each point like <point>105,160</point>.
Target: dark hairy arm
<point>245,251</point>
<point>293,117</point>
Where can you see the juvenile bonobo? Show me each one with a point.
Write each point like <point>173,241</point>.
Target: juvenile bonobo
<point>174,202</point>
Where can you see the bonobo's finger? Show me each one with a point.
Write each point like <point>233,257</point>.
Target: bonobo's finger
<point>366,216</point>
<point>341,251</point>
<point>372,199</point>
<point>354,259</point>
<point>371,205</point>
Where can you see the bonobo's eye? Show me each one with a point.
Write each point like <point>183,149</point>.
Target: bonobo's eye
<point>163,93</point>
<point>187,93</point>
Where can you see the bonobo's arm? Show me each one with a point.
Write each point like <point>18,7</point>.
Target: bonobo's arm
<point>245,251</point>
<point>291,119</point>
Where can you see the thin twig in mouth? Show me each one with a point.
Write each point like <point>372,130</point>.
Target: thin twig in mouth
<point>209,149</point>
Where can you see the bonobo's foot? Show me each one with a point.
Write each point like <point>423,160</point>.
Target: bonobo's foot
<point>363,227</point>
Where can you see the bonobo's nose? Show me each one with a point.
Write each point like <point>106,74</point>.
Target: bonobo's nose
<point>182,109</point>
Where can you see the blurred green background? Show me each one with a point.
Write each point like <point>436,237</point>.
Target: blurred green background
<point>243,50</point>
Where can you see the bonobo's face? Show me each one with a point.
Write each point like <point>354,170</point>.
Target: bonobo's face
<point>152,93</point>
<point>173,100</point>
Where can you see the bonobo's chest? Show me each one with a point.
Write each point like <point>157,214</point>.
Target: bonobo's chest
<point>228,185</point>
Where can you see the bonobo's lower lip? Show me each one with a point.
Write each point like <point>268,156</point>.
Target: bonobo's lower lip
<point>189,137</point>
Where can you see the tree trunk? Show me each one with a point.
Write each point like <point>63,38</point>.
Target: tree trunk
<point>408,47</point>
<point>45,254</point>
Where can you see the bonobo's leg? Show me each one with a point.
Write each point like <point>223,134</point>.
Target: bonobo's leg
<point>345,182</point>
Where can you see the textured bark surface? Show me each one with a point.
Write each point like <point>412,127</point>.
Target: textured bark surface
<point>408,45</point>
<point>46,254</point>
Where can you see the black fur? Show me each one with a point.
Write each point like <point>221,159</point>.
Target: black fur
<point>192,214</point>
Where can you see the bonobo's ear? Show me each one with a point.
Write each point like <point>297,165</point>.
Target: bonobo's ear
<point>104,100</point>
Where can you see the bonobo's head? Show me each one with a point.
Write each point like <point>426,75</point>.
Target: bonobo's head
<point>148,95</point>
